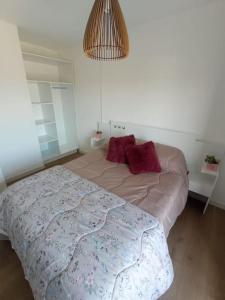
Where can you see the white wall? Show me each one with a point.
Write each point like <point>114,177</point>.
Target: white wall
<point>172,78</point>
<point>19,148</point>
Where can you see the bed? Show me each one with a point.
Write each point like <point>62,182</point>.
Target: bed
<point>92,230</point>
<point>163,195</point>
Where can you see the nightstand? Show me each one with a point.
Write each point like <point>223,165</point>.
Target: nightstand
<point>2,182</point>
<point>97,143</point>
<point>203,182</point>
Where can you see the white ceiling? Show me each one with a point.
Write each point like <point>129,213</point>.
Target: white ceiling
<point>63,21</point>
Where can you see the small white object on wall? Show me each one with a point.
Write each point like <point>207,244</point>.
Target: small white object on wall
<point>2,182</point>
<point>97,143</point>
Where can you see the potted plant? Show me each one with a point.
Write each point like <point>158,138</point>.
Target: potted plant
<point>98,135</point>
<point>212,163</point>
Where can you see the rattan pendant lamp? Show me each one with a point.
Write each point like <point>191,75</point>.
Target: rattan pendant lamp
<point>106,36</point>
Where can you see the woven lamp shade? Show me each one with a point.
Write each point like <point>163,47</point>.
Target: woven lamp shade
<point>106,36</point>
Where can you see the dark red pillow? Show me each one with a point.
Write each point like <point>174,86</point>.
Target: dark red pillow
<point>143,158</point>
<point>117,148</point>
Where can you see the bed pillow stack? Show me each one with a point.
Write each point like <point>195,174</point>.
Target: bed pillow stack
<point>141,158</point>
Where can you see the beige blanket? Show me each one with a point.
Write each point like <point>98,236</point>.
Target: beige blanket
<point>163,195</point>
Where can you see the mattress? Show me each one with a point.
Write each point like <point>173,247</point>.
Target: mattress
<point>163,195</point>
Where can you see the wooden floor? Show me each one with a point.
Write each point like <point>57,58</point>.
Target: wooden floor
<point>197,248</point>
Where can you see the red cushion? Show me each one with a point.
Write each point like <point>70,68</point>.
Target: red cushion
<point>117,148</point>
<point>143,158</point>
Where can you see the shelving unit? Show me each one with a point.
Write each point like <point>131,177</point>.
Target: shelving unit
<point>44,117</point>
<point>54,114</point>
<point>50,81</point>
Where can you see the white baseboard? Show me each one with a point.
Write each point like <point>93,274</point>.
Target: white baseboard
<point>219,205</point>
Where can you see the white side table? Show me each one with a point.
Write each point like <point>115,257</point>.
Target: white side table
<point>203,183</point>
<point>2,182</point>
<point>97,143</point>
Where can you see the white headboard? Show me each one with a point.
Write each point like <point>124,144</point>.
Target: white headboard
<point>193,146</point>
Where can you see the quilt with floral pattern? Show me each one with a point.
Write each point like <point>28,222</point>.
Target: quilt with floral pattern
<point>77,241</point>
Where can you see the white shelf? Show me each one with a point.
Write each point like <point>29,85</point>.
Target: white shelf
<point>46,139</point>
<point>46,155</point>
<point>42,103</point>
<point>50,82</point>
<point>205,170</point>
<point>201,184</point>
<point>55,59</point>
<point>43,122</point>
<point>49,155</point>
<point>97,143</point>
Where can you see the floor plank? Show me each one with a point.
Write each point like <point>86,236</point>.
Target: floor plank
<point>197,248</point>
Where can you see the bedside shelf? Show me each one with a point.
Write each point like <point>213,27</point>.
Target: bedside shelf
<point>97,143</point>
<point>205,170</point>
<point>50,82</point>
<point>203,182</point>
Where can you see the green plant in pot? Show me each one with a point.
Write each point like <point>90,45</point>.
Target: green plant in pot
<point>212,163</point>
<point>210,159</point>
<point>98,134</point>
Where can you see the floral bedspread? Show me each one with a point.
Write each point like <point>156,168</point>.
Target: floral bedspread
<point>77,241</point>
